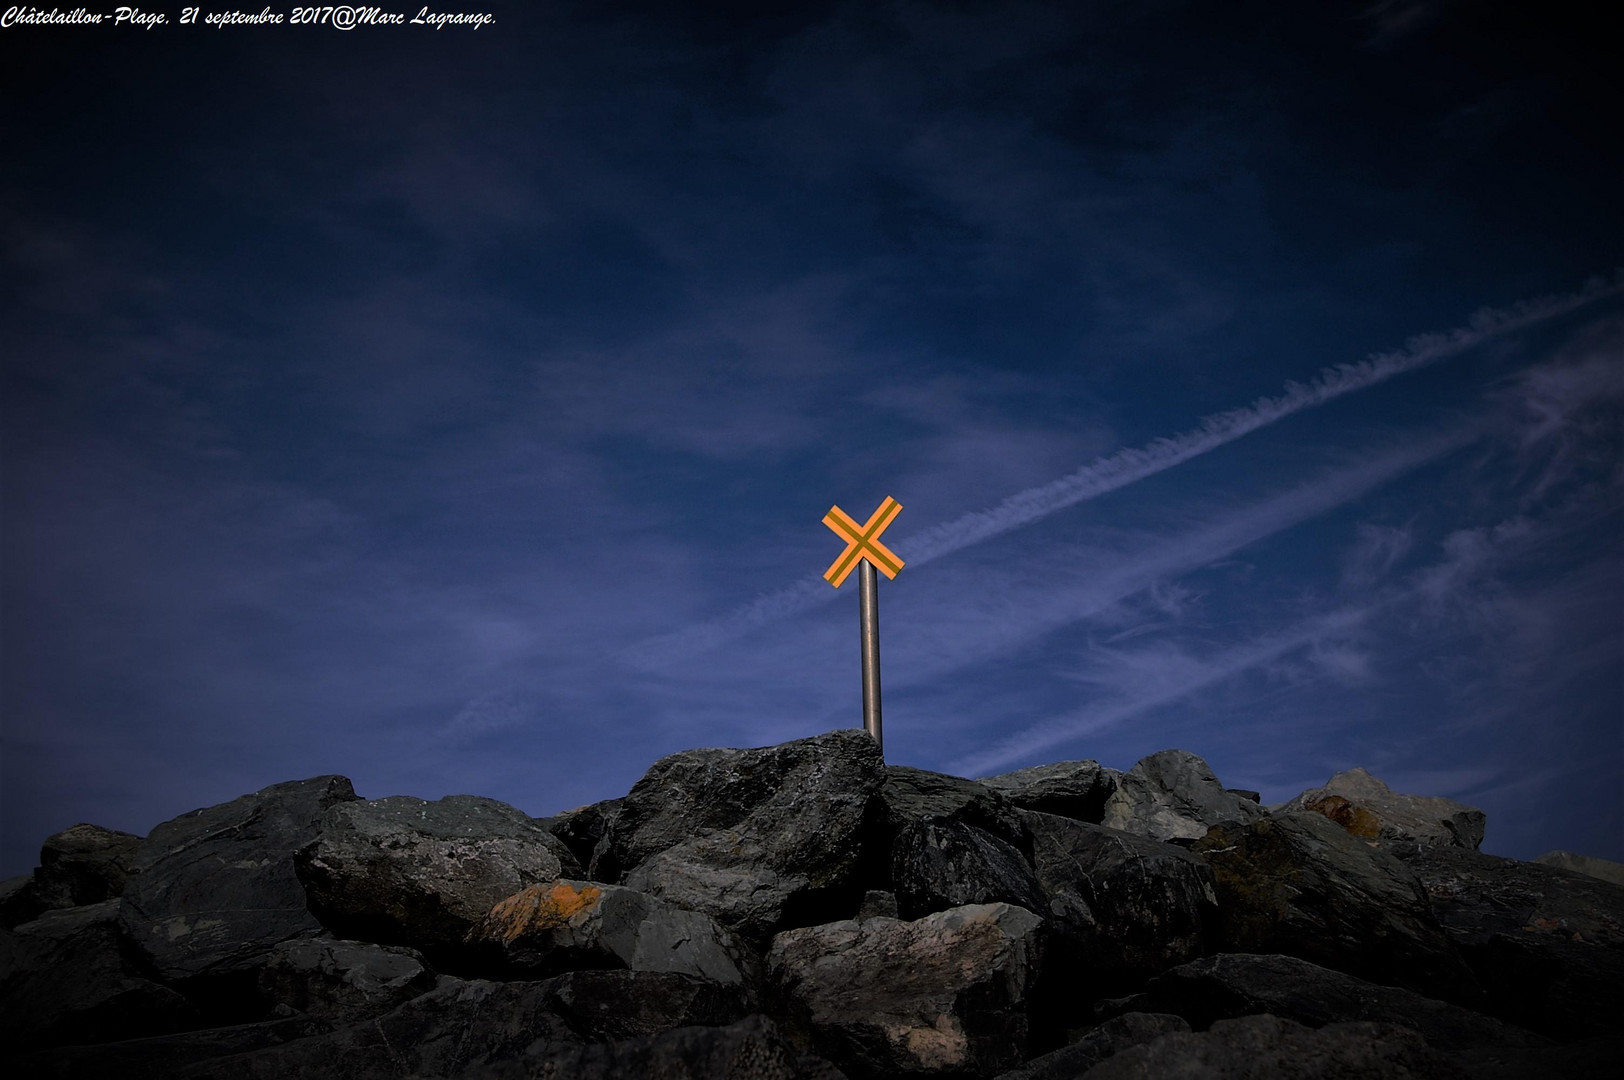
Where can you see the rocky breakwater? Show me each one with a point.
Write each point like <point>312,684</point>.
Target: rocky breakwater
<point>805,910</point>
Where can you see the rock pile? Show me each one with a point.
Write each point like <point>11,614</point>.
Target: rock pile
<point>805,910</point>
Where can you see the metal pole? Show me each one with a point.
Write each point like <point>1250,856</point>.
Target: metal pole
<point>868,596</point>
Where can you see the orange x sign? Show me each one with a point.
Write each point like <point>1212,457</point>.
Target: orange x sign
<point>862,542</point>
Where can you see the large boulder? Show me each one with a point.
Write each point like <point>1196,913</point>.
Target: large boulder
<point>477,1028</point>
<point>1546,944</point>
<point>452,1030</point>
<point>407,871</point>
<point>1298,884</point>
<point>757,839</point>
<point>459,1028</point>
<point>1595,1058</point>
<point>952,842</point>
<point>751,1049</point>
<point>911,795</point>
<point>1173,795</point>
<point>1602,869</point>
<point>937,865</point>
<point>1273,1048</point>
<point>685,795</point>
<point>563,925</point>
<point>1231,985</point>
<point>1095,1045</point>
<point>163,1057</point>
<point>210,892</point>
<point>85,864</point>
<point>1370,810</point>
<point>1074,789</point>
<point>342,981</point>
<point>1120,907</point>
<point>943,995</point>
<point>67,977</point>
<point>604,1005</point>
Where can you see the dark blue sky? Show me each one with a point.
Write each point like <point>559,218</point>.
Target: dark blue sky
<point>456,410</point>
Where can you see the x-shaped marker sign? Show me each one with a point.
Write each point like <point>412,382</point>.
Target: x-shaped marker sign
<point>862,542</point>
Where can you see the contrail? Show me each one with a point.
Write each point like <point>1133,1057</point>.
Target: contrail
<point>1133,464</point>
<point>1128,466</point>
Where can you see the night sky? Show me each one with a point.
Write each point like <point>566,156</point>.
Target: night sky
<point>456,410</point>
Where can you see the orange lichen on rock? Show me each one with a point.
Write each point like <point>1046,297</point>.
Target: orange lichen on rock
<point>1356,819</point>
<point>538,907</point>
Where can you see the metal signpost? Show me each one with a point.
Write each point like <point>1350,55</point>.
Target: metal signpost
<point>864,552</point>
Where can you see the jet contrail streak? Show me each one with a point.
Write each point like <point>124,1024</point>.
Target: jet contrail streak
<point>1127,466</point>
<point>1136,463</point>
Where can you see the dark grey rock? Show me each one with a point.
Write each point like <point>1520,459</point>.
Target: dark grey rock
<point>162,1057</point>
<point>1094,1046</point>
<point>1120,907</point>
<point>595,1006</point>
<point>1477,895</point>
<point>766,838</point>
<point>1597,1058</point>
<point>1298,884</point>
<point>945,994</point>
<point>411,872</point>
<point>604,1006</point>
<point>751,1049</point>
<point>212,890</point>
<point>342,981</point>
<point>66,978</point>
<point>1074,789</point>
<point>1173,795</point>
<point>686,795</point>
<point>912,795</point>
<point>452,1030</point>
<point>1272,1048</point>
<point>1239,984</point>
<point>953,842</point>
<point>563,925</point>
<point>1547,944</point>
<point>937,865</point>
<point>85,864</point>
<point>1603,869</point>
<point>1370,810</point>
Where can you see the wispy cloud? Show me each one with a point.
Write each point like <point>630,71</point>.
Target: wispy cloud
<point>1125,467</point>
<point>1461,588</point>
<point>1378,549</point>
<point>1060,595</point>
<point>1174,683</point>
